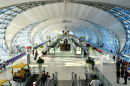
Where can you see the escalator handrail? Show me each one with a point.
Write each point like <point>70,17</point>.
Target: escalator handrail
<point>74,79</point>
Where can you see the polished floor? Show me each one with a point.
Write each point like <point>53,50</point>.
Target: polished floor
<point>65,66</point>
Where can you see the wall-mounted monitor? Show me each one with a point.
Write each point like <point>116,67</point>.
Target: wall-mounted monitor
<point>78,50</point>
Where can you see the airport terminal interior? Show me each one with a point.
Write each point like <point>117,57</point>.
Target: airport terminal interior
<point>72,40</point>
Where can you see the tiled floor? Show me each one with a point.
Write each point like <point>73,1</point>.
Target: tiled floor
<point>65,66</point>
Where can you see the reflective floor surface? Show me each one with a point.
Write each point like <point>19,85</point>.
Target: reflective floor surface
<point>65,66</point>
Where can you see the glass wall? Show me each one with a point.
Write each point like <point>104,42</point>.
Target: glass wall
<point>37,37</point>
<point>108,40</point>
<point>23,37</point>
<point>86,32</point>
<point>82,31</point>
<point>94,38</point>
<point>6,16</point>
<point>124,17</point>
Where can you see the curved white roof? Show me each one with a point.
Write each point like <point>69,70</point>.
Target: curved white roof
<point>55,12</point>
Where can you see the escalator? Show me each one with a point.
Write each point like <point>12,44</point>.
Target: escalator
<point>34,78</point>
<point>55,82</point>
<point>64,83</point>
<point>83,82</point>
<point>49,81</point>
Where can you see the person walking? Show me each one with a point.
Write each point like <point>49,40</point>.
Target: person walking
<point>0,69</point>
<point>42,54</point>
<point>93,64</point>
<point>122,71</point>
<point>47,76</point>
<point>118,65</point>
<point>95,82</point>
<point>4,65</point>
<point>43,78</point>
<point>36,54</point>
<point>125,77</point>
<point>33,52</point>
<point>54,80</point>
<point>114,57</point>
<point>118,75</point>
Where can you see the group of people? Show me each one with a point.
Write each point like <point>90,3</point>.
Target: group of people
<point>121,71</point>
<point>3,66</point>
<point>36,54</point>
<point>44,77</point>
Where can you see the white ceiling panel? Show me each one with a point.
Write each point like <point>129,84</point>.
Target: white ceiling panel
<point>55,14</point>
<point>69,10</point>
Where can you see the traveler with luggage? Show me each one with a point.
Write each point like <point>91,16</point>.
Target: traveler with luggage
<point>36,54</point>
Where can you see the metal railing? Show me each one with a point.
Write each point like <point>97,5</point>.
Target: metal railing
<point>29,75</point>
<point>79,82</point>
<point>39,82</point>
<point>100,76</point>
<point>54,80</point>
<point>74,79</point>
<point>49,82</point>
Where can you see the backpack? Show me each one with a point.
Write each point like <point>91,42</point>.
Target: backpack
<point>43,77</point>
<point>114,57</point>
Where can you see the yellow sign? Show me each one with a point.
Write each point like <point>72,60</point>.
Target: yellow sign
<point>82,36</point>
<point>48,36</point>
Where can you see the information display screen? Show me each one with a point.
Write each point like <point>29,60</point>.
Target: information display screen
<point>78,50</point>
<point>51,50</point>
<point>65,47</point>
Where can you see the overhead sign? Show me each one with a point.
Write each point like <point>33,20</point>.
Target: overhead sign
<point>48,36</point>
<point>82,36</point>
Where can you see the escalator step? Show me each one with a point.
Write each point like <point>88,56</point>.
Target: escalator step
<point>64,83</point>
<point>84,83</point>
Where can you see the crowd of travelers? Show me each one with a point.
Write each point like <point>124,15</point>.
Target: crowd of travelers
<point>121,70</point>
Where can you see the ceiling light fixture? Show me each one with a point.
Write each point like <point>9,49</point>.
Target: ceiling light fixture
<point>65,12</point>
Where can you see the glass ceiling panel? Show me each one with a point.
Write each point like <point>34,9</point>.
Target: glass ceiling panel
<point>6,16</point>
<point>23,38</point>
<point>108,40</point>
<point>124,18</point>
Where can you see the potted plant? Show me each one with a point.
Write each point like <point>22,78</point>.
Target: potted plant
<point>40,61</point>
<point>125,67</point>
<point>49,40</point>
<point>68,31</point>
<point>40,47</point>
<point>9,56</point>
<point>63,31</point>
<point>91,48</point>
<point>89,62</point>
<point>20,51</point>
